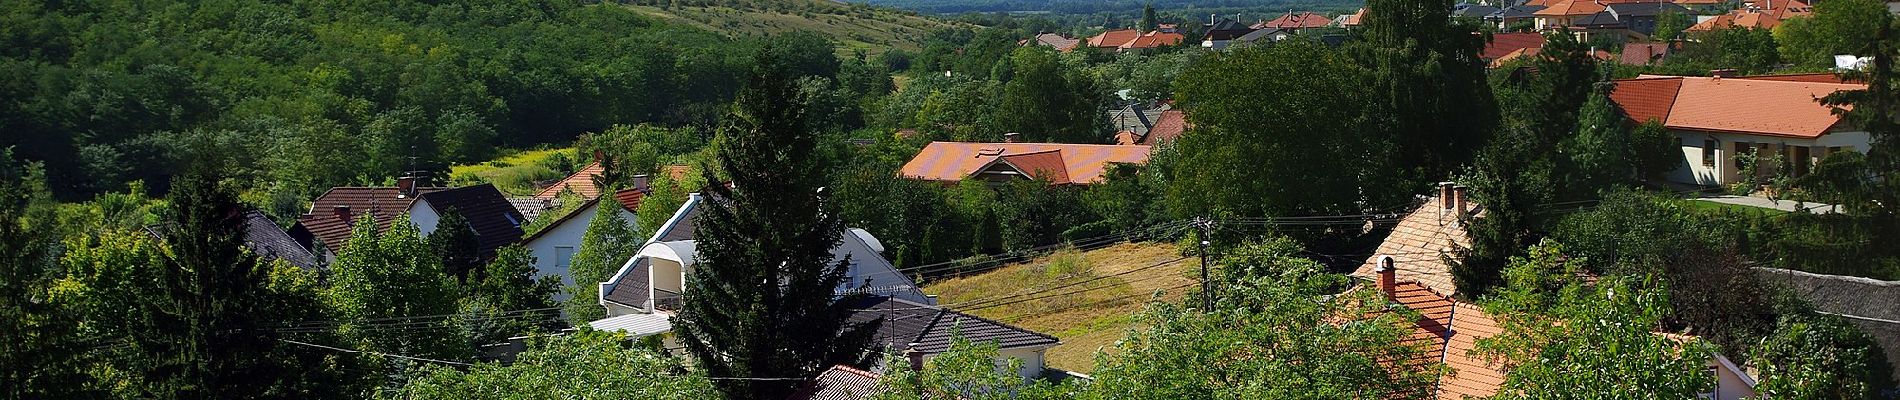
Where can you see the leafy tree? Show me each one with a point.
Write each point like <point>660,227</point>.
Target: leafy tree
<point>1186,352</point>
<point>967,370</point>
<point>1669,25</point>
<point>585,365</point>
<point>759,303</point>
<point>1255,141</point>
<point>608,242</point>
<point>1427,83</point>
<point>496,303</point>
<point>1603,150</point>
<point>1048,101</point>
<point>659,204</point>
<point>393,275</point>
<point>210,298</point>
<point>1037,212</point>
<point>1820,357</point>
<point>38,359</point>
<point>1837,27</point>
<point>1565,339</point>
<point>1148,20</point>
<point>1873,109</point>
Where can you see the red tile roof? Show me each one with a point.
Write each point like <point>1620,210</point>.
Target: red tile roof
<point>381,203</point>
<point>1644,53</point>
<point>629,200</point>
<point>1114,38</point>
<point>1351,20</point>
<point>1571,8</point>
<point>1167,128</point>
<point>1766,107</point>
<point>1419,244</point>
<point>1046,165</point>
<point>1756,18</point>
<point>1292,20</point>
<point>954,161</point>
<point>1153,40</point>
<point>1506,43</point>
<point>1646,99</point>
<point>581,182</point>
<point>1448,330</point>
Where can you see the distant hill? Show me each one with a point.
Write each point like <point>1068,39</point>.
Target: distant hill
<point>854,26</point>
<point>1114,6</point>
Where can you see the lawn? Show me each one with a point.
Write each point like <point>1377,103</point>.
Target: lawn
<point>1097,293</point>
<point>514,173</point>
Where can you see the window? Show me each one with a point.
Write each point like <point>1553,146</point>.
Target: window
<point>1708,152</point>
<point>563,255</point>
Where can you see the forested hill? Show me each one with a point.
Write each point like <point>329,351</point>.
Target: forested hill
<point>312,94</point>
<point>1115,6</point>
<point>852,26</point>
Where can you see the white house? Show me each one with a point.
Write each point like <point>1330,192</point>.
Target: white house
<point>1714,119</point>
<point>644,294</point>
<point>555,244</point>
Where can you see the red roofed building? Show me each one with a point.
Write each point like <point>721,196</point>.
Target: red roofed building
<point>326,228</point>
<point>1167,128</point>
<point>1503,44</point>
<point>1114,38</point>
<point>1766,15</point>
<point>1152,40</point>
<point>1060,164</point>
<point>581,183</point>
<point>1292,21</point>
<point>1714,119</point>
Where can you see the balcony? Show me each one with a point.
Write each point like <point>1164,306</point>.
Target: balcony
<point>666,300</point>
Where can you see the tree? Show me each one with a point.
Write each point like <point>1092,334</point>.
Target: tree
<point>1603,151</point>
<point>1837,27</point>
<point>1428,85</point>
<point>1669,25</point>
<point>662,200</point>
<point>1566,339</point>
<point>608,243</point>
<point>210,298</point>
<point>1275,303</point>
<point>760,301</point>
<point>1820,357</point>
<point>39,360</point>
<point>454,241</point>
<point>497,303</point>
<point>1148,20</point>
<point>588,364</point>
<point>393,275</point>
<point>1048,101</point>
<point>1874,110</point>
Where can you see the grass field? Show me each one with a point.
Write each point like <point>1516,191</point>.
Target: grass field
<point>1097,294</point>
<point>514,174</point>
<point>853,27</point>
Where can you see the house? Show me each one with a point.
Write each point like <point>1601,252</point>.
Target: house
<point>1113,38</point>
<point>1168,28</point>
<point>1516,15</point>
<point>1294,22</point>
<point>1647,53</point>
<point>1167,128</point>
<point>919,332</point>
<point>1351,21</point>
<point>1480,12</point>
<point>1219,32</point>
<point>1263,35</point>
<point>264,239</point>
<point>1130,39</point>
<point>1055,40</point>
<point>840,383</point>
<point>1766,15</point>
<point>555,244</point>
<point>326,227</point>
<point>580,183</point>
<point>1629,21</point>
<point>1564,13</point>
<point>1600,55</point>
<point>1059,163</point>
<point>1714,119</point>
<point>1410,268</point>
<point>1504,44</point>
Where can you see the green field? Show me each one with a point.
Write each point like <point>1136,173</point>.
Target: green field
<point>853,27</point>
<point>516,173</point>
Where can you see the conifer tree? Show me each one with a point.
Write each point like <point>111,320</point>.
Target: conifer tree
<point>1430,83</point>
<point>211,290</point>
<point>455,242</point>
<point>761,301</point>
<point>36,358</point>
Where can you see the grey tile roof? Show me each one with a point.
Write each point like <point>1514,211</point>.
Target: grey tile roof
<point>271,242</point>
<point>493,217</point>
<point>929,329</point>
<point>840,383</point>
<point>532,207</point>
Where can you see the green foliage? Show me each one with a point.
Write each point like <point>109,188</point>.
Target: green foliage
<point>966,370</point>
<point>1256,141</point>
<point>659,204</point>
<point>609,242</point>
<point>1037,212</point>
<point>455,242</point>
<point>1427,84</point>
<point>40,358</point>
<point>1746,50</point>
<point>209,298</point>
<point>759,302</point>
<point>1669,25</point>
<point>1603,152</point>
<point>1185,352</point>
<point>585,365</point>
<point>1568,339</point>
<point>1837,27</point>
<point>395,274</point>
<point>1820,357</point>
<point>504,287</point>
<point>1046,100</point>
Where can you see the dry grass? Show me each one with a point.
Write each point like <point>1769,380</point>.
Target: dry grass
<point>871,30</point>
<point>1114,283</point>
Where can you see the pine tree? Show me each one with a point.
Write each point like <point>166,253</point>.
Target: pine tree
<point>761,302</point>
<point>608,243</point>
<point>36,359</point>
<point>210,298</point>
<point>455,242</point>
<point>1148,19</point>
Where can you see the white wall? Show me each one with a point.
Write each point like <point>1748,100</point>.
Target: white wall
<point>424,216</point>
<point>559,241</point>
<point>1032,367</point>
<point>1724,171</point>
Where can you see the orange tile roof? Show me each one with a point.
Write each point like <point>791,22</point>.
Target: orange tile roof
<point>1766,107</point>
<point>1114,38</point>
<point>1354,18</point>
<point>1168,127</point>
<point>1506,43</point>
<point>1448,330</point>
<point>954,161</point>
<point>1570,8</point>
<point>1153,40</point>
<point>1419,243</point>
<point>581,182</point>
<point>1533,51</point>
<point>1045,165</point>
<point>1292,20</point>
<point>1646,99</point>
<point>1756,18</point>
<point>1820,77</point>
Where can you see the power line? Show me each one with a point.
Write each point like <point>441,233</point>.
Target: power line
<point>354,351</point>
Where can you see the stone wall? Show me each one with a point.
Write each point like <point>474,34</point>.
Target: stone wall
<point>1873,305</point>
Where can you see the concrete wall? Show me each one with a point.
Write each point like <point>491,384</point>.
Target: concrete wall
<point>424,216</point>
<point>1873,305</point>
<point>1725,171</point>
<point>558,243</point>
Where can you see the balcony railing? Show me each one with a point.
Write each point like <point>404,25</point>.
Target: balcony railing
<point>666,300</point>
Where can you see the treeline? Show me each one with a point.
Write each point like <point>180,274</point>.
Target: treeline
<point>312,95</point>
<point>1117,6</point>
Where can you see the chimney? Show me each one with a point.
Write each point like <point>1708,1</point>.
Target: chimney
<point>1388,274</point>
<point>406,186</point>
<point>1724,73</point>
<point>916,357</point>
<point>1012,137</point>
<point>1461,200</point>
<point>342,213</point>
<point>1444,195</point>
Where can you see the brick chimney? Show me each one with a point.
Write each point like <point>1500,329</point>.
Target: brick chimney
<point>1461,200</point>
<point>1388,275</point>
<point>1012,137</point>
<point>1445,203</point>
<point>342,213</point>
<point>407,185</point>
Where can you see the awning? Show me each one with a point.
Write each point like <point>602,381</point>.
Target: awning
<point>636,324</point>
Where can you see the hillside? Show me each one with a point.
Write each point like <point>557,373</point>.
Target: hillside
<point>853,26</point>
<point>1113,6</point>
<point>1093,295</point>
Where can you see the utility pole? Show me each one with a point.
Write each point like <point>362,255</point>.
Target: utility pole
<point>1207,293</point>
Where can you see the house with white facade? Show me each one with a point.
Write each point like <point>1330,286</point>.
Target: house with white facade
<point>556,243</point>
<point>1720,121</point>
<point>326,228</point>
<point>645,293</point>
